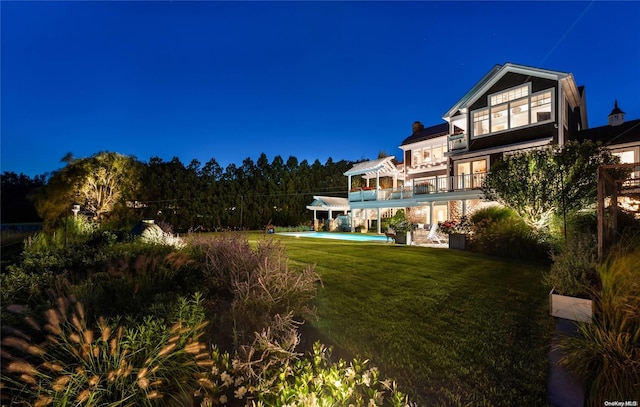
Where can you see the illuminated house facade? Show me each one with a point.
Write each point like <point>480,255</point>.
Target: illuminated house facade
<point>512,108</point>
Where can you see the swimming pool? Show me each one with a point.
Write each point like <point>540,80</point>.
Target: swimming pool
<point>354,237</point>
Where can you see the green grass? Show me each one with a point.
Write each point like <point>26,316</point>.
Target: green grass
<point>454,328</point>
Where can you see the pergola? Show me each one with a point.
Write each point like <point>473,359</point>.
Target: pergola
<point>374,169</point>
<point>382,167</point>
<point>328,204</point>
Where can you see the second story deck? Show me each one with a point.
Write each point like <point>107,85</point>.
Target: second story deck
<point>428,189</point>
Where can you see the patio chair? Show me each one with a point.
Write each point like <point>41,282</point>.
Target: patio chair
<point>434,236</point>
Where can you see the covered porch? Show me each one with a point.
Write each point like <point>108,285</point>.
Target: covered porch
<point>372,170</point>
<point>330,205</point>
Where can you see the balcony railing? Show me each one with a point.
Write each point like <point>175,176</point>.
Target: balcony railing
<point>431,185</point>
<point>457,141</point>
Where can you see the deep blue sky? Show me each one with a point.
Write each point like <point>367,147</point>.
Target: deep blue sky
<point>230,80</point>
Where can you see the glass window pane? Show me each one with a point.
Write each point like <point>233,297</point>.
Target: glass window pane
<point>437,153</point>
<point>481,122</point>
<point>416,160</point>
<point>499,118</point>
<point>519,111</point>
<point>541,107</point>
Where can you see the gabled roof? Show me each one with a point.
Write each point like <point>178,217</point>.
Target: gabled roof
<point>325,203</point>
<point>427,133</point>
<point>627,132</point>
<point>382,166</point>
<point>498,71</point>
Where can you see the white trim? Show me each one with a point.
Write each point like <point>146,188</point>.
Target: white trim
<point>495,75</point>
<point>504,148</point>
<point>554,105</point>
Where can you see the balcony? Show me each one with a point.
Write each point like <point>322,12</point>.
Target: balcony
<point>360,194</point>
<point>433,185</point>
<point>457,141</point>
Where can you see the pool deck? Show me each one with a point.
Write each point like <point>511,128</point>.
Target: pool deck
<point>357,237</point>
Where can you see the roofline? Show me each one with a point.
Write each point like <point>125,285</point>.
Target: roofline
<point>495,74</point>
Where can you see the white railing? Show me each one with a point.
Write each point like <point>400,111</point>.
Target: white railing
<point>432,185</point>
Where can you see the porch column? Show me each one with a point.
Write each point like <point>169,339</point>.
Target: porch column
<point>349,183</point>
<point>431,205</point>
<point>353,220</point>
<point>330,220</point>
<point>379,219</point>
<point>366,220</point>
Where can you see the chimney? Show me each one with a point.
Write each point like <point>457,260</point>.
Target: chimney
<point>417,127</point>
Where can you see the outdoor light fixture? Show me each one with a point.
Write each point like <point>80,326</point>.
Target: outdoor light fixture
<point>75,209</point>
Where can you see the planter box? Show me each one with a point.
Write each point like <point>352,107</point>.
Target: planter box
<point>573,308</point>
<point>403,238</point>
<point>457,241</point>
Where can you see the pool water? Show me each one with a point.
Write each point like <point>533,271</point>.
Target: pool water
<point>354,237</point>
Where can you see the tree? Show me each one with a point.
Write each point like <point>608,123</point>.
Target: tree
<point>540,183</point>
<point>98,183</point>
<point>108,177</point>
<point>16,192</point>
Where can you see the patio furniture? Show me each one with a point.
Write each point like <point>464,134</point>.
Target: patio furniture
<point>434,236</point>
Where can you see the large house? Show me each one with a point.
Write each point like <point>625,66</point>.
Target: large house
<point>512,108</point>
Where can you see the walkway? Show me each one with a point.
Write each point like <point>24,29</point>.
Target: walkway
<point>563,389</point>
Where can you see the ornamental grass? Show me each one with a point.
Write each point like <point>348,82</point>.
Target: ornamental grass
<point>67,362</point>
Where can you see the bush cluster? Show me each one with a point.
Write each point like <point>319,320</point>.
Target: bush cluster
<point>499,231</point>
<point>606,354</point>
<point>573,271</point>
<point>254,286</point>
<point>110,321</point>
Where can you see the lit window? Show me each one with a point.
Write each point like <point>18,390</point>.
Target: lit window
<point>481,122</point>
<point>437,153</point>
<point>626,157</point>
<point>417,157</point>
<point>519,111</point>
<point>499,118</point>
<point>541,107</point>
<point>511,109</point>
<point>509,95</point>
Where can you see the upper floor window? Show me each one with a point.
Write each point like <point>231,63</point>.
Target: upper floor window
<point>511,109</point>
<point>509,95</point>
<point>428,155</point>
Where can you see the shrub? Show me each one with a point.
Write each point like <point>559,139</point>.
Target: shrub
<point>313,380</point>
<point>463,226</point>
<point>573,271</point>
<point>20,287</point>
<point>146,364</point>
<point>254,285</point>
<point>577,222</point>
<point>135,277</point>
<point>606,354</point>
<point>299,228</point>
<point>499,231</point>
<point>400,223</point>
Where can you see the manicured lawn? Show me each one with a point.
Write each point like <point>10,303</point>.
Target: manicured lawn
<point>454,328</point>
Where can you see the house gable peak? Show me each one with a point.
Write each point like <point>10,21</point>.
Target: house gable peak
<point>493,76</point>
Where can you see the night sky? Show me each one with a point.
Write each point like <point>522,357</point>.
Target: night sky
<point>231,80</point>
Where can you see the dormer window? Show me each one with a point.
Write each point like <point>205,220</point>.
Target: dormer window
<point>513,108</point>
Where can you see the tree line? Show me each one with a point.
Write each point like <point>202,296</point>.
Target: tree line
<point>120,190</point>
